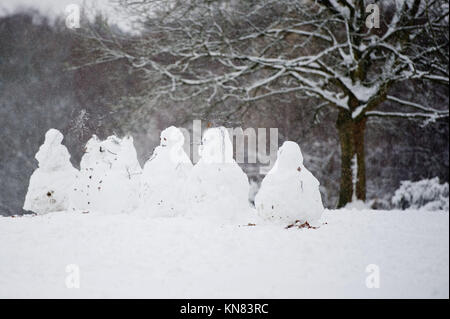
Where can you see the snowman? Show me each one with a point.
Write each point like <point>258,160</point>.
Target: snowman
<point>164,176</point>
<point>50,183</point>
<point>109,177</point>
<point>290,193</point>
<point>217,188</point>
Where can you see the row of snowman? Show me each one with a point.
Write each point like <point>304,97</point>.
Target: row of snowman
<point>111,180</point>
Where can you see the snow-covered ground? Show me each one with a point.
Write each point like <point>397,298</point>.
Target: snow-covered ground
<point>135,256</point>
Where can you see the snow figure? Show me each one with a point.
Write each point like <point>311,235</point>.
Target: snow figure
<point>109,177</point>
<point>290,193</point>
<point>51,181</point>
<point>164,176</point>
<point>217,188</point>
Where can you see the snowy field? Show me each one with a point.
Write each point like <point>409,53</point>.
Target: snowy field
<point>134,256</point>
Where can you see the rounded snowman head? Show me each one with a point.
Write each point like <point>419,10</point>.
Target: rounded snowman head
<point>112,152</point>
<point>171,136</point>
<point>52,154</point>
<point>289,157</point>
<point>107,151</point>
<point>216,146</point>
<point>127,155</point>
<point>92,146</point>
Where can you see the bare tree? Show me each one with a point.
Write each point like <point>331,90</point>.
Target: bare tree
<point>230,54</point>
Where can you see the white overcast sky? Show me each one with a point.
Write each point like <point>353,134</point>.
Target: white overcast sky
<point>47,6</point>
<point>51,8</point>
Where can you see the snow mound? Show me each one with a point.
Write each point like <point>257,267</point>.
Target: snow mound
<point>358,205</point>
<point>427,194</point>
<point>290,192</point>
<point>164,176</point>
<point>217,188</point>
<point>50,183</point>
<point>109,177</point>
<point>216,147</point>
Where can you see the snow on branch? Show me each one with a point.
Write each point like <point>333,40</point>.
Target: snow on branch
<point>412,115</point>
<point>253,50</point>
<point>416,106</point>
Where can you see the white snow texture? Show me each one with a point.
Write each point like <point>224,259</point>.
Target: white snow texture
<point>290,192</point>
<point>164,176</point>
<point>428,194</point>
<point>111,181</point>
<point>50,183</point>
<point>217,188</point>
<point>134,256</point>
<point>108,180</point>
<point>200,253</point>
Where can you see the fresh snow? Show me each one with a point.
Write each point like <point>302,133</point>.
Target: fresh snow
<point>426,194</point>
<point>217,188</point>
<point>164,175</point>
<point>109,177</point>
<point>214,244</point>
<point>125,255</point>
<point>289,192</point>
<point>50,183</point>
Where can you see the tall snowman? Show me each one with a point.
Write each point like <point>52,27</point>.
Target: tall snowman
<point>289,192</point>
<point>217,187</point>
<point>109,177</point>
<point>50,183</point>
<point>164,176</point>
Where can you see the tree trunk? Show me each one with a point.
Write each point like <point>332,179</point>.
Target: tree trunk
<point>351,137</point>
<point>359,132</point>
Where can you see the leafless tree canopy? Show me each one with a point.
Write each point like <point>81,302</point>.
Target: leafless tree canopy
<point>228,54</point>
<point>249,50</point>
